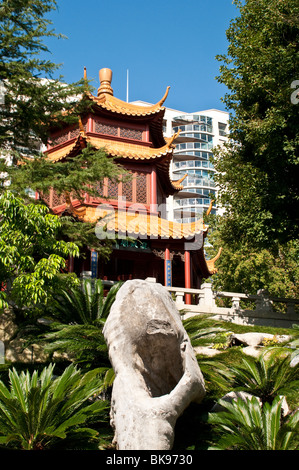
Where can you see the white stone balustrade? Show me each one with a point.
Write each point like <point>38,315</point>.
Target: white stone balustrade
<point>264,312</point>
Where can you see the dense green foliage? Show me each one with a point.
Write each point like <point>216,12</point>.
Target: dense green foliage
<point>244,267</point>
<point>258,423</point>
<point>32,96</point>
<point>40,411</point>
<point>31,257</point>
<point>258,169</point>
<point>81,312</point>
<point>245,425</point>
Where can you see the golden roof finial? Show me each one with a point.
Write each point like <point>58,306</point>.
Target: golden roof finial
<point>105,76</point>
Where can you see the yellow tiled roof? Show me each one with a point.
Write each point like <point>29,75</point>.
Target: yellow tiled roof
<point>128,150</point>
<point>115,105</point>
<point>141,224</point>
<point>113,147</point>
<point>63,152</point>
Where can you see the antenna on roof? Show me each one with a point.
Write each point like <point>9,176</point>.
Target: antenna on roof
<point>127,85</point>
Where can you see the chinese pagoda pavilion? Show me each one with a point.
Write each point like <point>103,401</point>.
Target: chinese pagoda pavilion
<point>147,245</point>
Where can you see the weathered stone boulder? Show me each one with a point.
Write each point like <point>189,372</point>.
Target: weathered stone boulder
<point>257,339</point>
<point>156,372</point>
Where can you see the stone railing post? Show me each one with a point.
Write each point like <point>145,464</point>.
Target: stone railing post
<point>179,299</point>
<point>291,307</point>
<point>263,301</point>
<point>207,298</point>
<point>236,303</point>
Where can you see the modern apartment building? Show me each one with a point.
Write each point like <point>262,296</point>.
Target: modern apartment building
<point>199,133</point>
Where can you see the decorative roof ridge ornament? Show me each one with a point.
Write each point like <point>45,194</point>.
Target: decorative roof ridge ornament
<point>210,207</point>
<point>105,76</point>
<point>172,138</point>
<point>81,127</point>
<point>211,262</point>
<point>161,102</point>
<point>79,212</point>
<point>177,183</point>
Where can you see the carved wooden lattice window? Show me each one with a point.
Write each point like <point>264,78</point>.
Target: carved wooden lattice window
<point>112,190</point>
<point>100,189</point>
<point>127,190</point>
<point>105,129</point>
<point>130,133</point>
<point>58,200</point>
<point>46,198</point>
<point>141,190</point>
<point>74,133</point>
<point>60,139</point>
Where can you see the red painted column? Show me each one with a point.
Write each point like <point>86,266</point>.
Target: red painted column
<point>89,124</point>
<point>153,192</point>
<point>187,276</point>
<point>167,268</point>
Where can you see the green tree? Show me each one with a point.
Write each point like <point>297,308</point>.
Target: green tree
<point>244,267</point>
<point>31,257</point>
<point>32,97</point>
<point>33,101</point>
<point>257,170</point>
<point>41,411</point>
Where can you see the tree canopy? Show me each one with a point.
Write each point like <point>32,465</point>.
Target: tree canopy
<point>243,267</point>
<point>257,169</point>
<point>31,96</point>
<point>33,100</point>
<point>32,259</point>
<point>34,243</point>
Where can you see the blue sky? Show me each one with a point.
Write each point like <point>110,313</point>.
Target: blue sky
<point>161,42</point>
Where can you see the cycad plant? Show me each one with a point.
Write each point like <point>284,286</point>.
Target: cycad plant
<point>201,330</point>
<point>85,304</point>
<point>83,311</point>
<point>41,411</point>
<point>246,425</point>
<point>267,376</point>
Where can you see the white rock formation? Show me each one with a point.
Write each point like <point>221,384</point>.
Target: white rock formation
<point>257,339</point>
<point>156,372</point>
